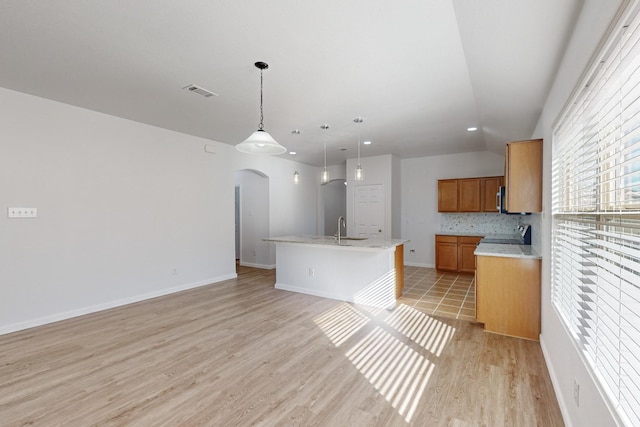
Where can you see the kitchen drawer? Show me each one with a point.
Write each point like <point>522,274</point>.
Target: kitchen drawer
<point>446,239</point>
<point>469,239</point>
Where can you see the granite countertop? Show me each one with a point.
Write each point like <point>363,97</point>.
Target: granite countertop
<point>459,233</point>
<point>512,236</point>
<point>353,242</point>
<point>509,251</point>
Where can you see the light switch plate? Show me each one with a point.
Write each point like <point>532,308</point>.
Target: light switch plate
<point>22,212</point>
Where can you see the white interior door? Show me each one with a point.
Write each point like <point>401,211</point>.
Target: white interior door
<point>368,210</point>
<point>237,223</point>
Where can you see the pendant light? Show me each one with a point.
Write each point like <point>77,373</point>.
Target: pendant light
<point>324,176</point>
<point>260,142</point>
<point>358,172</point>
<point>296,175</point>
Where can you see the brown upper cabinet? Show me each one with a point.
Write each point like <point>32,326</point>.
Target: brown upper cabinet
<point>523,176</point>
<point>490,187</point>
<point>468,194</point>
<point>448,195</point>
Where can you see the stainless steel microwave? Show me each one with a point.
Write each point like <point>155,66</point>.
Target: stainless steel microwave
<point>500,203</point>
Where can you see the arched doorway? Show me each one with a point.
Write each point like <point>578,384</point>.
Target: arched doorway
<point>252,218</point>
<point>334,194</point>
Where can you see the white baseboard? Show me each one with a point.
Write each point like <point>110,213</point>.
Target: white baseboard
<point>314,292</point>
<point>263,266</point>
<point>419,264</point>
<point>112,304</point>
<point>556,386</point>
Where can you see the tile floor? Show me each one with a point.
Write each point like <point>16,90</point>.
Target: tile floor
<point>448,295</point>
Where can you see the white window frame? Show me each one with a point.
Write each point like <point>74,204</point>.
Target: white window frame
<point>595,262</point>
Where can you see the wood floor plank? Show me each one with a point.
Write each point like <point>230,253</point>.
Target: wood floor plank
<point>243,353</point>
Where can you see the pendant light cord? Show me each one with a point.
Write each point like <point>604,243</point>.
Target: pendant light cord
<point>261,125</point>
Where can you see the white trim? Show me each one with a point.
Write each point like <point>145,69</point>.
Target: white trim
<point>419,264</point>
<point>314,292</point>
<point>592,376</point>
<point>556,385</point>
<point>112,304</point>
<point>254,265</point>
<point>329,295</point>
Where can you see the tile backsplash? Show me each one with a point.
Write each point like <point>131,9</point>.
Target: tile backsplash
<point>483,223</point>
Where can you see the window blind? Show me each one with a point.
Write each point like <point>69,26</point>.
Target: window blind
<point>595,267</point>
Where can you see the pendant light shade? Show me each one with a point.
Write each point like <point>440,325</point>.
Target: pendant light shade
<point>324,176</point>
<point>358,176</point>
<point>260,142</point>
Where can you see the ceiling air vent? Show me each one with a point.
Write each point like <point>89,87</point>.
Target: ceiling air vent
<point>199,91</point>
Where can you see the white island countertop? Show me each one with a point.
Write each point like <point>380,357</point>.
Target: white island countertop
<point>347,242</point>
<point>509,251</point>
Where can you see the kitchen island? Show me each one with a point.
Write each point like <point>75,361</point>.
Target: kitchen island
<point>363,271</point>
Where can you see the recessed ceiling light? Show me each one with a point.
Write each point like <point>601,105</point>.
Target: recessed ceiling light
<point>367,142</point>
<point>472,129</point>
<point>293,153</point>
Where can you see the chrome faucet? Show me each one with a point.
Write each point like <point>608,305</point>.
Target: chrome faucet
<point>341,222</point>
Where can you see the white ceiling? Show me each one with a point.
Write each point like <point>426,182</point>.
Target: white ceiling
<point>418,71</point>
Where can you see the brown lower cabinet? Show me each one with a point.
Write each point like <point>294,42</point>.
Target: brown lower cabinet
<point>508,295</point>
<point>399,266</point>
<point>455,253</point>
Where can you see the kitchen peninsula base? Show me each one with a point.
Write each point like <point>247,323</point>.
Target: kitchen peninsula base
<point>367,272</point>
<point>508,295</point>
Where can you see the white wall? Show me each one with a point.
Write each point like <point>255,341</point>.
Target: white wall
<point>254,219</point>
<point>396,198</point>
<point>561,354</point>
<point>293,208</point>
<point>376,170</point>
<point>420,217</point>
<point>336,172</point>
<point>334,194</point>
<point>122,206</point>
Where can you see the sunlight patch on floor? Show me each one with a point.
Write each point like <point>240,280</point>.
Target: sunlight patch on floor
<point>397,371</point>
<point>426,331</point>
<point>341,322</point>
<point>381,293</point>
<point>396,351</point>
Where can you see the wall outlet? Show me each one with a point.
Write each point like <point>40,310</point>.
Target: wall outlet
<point>412,251</point>
<point>22,212</point>
<point>312,272</point>
<point>576,392</point>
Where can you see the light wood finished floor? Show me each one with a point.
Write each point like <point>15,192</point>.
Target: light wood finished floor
<point>242,353</point>
<point>448,295</point>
